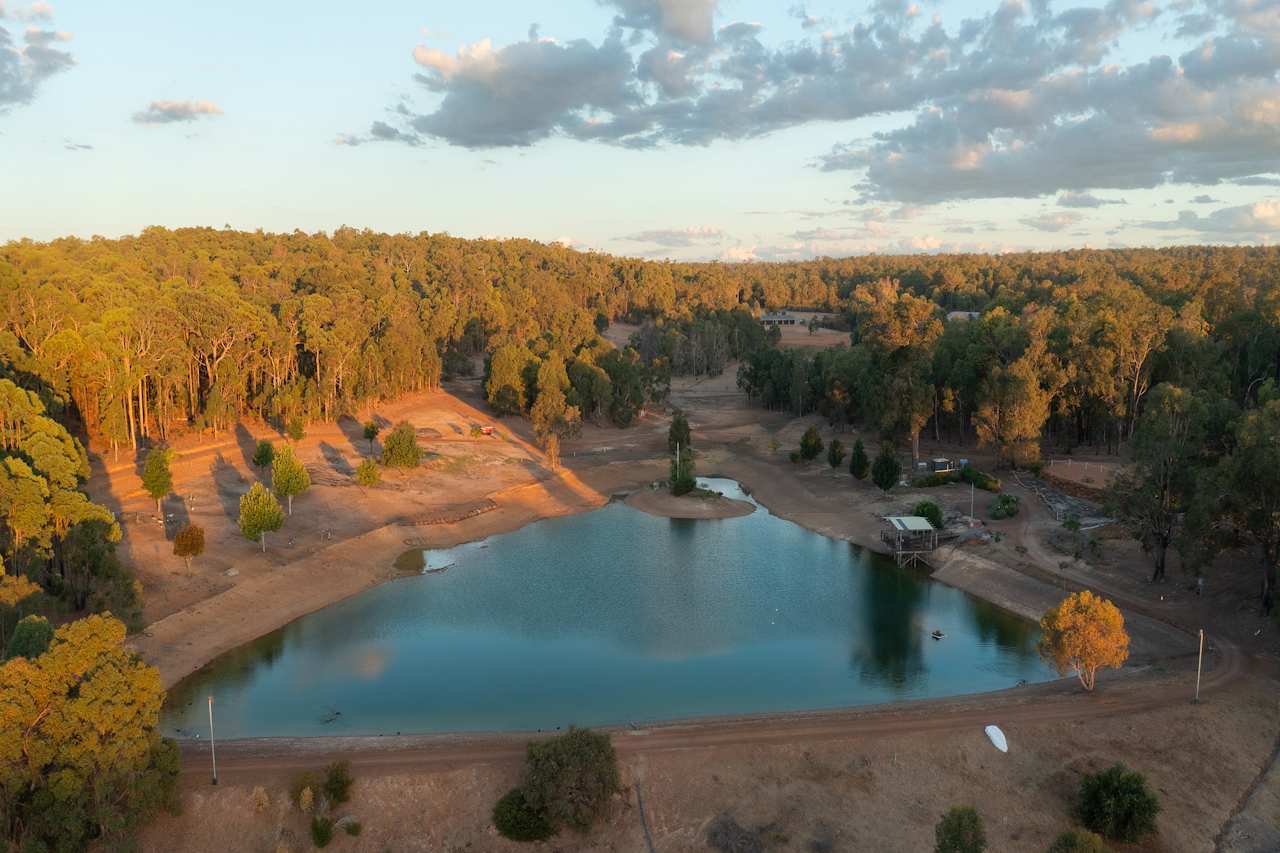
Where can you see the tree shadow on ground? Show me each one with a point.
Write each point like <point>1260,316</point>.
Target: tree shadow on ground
<point>177,514</point>
<point>337,460</point>
<point>230,485</point>
<point>248,446</point>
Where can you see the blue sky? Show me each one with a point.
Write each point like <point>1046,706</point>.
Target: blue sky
<point>663,128</point>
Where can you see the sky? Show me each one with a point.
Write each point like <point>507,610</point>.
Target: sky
<point>689,129</point>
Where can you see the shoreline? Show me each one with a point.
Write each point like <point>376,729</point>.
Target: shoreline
<point>661,503</point>
<point>372,556</point>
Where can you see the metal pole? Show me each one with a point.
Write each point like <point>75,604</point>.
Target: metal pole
<point>971,518</point>
<point>212,754</point>
<point>1199,664</point>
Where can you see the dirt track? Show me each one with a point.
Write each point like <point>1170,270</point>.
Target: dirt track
<point>1053,702</point>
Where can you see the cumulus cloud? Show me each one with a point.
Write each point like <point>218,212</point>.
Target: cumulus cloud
<point>26,65</point>
<point>1204,199</point>
<point>1026,100</point>
<point>686,20</point>
<point>169,112</point>
<point>1071,198</point>
<point>1243,222</point>
<point>1058,221</point>
<point>677,238</point>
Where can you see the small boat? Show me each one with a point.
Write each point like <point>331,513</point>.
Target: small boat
<point>937,635</point>
<point>997,738</point>
<point>438,570</point>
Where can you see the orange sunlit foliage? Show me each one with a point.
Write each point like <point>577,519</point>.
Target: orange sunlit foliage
<point>1083,634</point>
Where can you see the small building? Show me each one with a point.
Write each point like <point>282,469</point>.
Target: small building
<point>910,537</point>
<point>963,315</point>
<point>780,318</point>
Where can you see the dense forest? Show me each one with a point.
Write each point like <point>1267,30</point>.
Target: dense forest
<point>130,342</point>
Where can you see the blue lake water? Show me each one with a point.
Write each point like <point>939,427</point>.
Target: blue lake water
<point>612,617</point>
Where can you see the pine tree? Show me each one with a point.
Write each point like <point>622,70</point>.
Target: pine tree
<point>156,477</point>
<point>260,514</point>
<point>400,450</point>
<point>678,434</point>
<point>835,453</point>
<point>859,465</point>
<point>289,477</point>
<point>887,469</point>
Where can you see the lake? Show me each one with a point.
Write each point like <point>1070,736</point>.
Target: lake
<point>613,617</point>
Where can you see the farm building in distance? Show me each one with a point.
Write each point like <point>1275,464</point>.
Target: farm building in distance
<point>910,536</point>
<point>778,318</point>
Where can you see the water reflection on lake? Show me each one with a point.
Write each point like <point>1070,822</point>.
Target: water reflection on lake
<point>614,616</point>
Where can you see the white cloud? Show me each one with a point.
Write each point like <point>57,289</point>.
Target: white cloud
<point>1245,222</point>
<point>169,112</point>
<point>677,238</point>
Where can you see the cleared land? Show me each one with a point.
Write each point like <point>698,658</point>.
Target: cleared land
<point>859,781</point>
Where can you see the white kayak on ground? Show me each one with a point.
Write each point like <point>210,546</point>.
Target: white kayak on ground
<point>997,738</point>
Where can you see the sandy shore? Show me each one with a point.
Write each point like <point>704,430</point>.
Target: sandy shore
<point>662,503</point>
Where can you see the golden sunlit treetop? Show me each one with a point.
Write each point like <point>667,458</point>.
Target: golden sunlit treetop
<point>1084,633</point>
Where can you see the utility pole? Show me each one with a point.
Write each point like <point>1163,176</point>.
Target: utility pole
<point>212,753</point>
<point>1199,665</point>
<point>971,518</point>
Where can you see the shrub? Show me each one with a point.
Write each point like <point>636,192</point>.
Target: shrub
<point>264,453</point>
<point>571,778</point>
<point>260,798</point>
<point>295,429</point>
<point>353,828</point>
<point>810,444</point>
<point>338,782</point>
<point>986,482</point>
<point>304,788</point>
<point>517,820</point>
<point>1004,506</point>
<point>400,450</point>
<point>367,474</point>
<point>306,800</point>
<point>887,469</point>
<point>930,511</point>
<point>795,457</point>
<point>1117,804</point>
<point>859,465</point>
<point>937,478</point>
<point>1077,841</point>
<point>835,453</point>
<point>31,637</point>
<point>960,831</point>
<point>321,831</point>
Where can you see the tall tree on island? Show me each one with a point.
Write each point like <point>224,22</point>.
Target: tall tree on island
<point>678,434</point>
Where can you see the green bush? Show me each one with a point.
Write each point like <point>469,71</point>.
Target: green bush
<point>264,454</point>
<point>367,474</point>
<point>986,482</point>
<point>859,465</point>
<point>295,429</point>
<point>960,831</point>
<point>937,478</point>
<point>518,821</point>
<point>1077,841</point>
<point>1117,804</point>
<point>1004,506</point>
<point>400,450</point>
<point>810,444</point>
<point>338,782</point>
<point>30,638</point>
<point>930,511</point>
<point>321,831</point>
<point>353,828</point>
<point>886,470</point>
<point>835,453</point>
<point>571,778</point>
